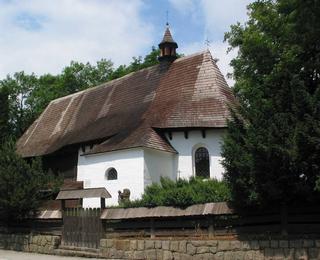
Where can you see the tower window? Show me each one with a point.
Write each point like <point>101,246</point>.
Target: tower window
<point>111,174</point>
<point>202,163</point>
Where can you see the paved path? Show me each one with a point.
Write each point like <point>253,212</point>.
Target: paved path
<point>13,255</point>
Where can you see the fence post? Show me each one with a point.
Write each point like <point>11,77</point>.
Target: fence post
<point>152,229</point>
<point>284,220</point>
<point>210,227</point>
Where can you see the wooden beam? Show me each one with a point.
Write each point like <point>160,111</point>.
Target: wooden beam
<point>203,131</point>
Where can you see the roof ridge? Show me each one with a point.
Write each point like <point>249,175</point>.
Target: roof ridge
<point>105,84</point>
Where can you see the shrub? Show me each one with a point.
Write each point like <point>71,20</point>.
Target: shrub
<point>182,193</point>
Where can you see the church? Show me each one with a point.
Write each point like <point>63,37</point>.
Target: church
<point>166,120</point>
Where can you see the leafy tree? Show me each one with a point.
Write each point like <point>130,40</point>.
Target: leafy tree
<point>272,147</point>
<point>30,94</point>
<point>21,183</point>
<point>4,115</point>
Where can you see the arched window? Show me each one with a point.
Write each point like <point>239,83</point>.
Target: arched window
<point>201,161</point>
<point>111,174</point>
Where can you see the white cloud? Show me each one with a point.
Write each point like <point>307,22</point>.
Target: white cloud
<point>43,36</point>
<point>218,51</point>
<point>218,16</point>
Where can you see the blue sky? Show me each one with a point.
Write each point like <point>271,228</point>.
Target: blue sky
<point>43,36</point>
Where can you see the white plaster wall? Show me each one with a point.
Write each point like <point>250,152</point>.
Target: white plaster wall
<point>129,165</point>
<point>159,163</point>
<point>187,147</point>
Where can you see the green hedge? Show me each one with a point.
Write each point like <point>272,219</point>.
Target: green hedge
<point>182,193</point>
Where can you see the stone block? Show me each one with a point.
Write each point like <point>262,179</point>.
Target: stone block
<point>268,253</point>
<point>140,244</point>
<point>123,245</point>
<point>223,245</point>
<point>191,249</point>
<point>103,243</point>
<point>254,245</point>
<point>165,245</point>
<point>167,255</point>
<point>128,255</point>
<point>109,243</point>
<point>235,244</point>
<point>301,254</point>
<point>211,243</point>
<point>149,244</point>
<point>181,256</point>
<point>314,253</point>
<point>43,241</point>
<point>183,246</point>
<point>202,250</point>
<point>245,245</point>
<point>205,256</point>
<point>317,243</point>
<point>213,249</point>
<point>174,246</point>
<point>133,244</point>
<point>158,244</point>
<point>219,256</point>
<point>249,255</point>
<point>197,243</point>
<point>239,255</point>
<point>150,254</point>
<point>288,253</point>
<point>138,255</point>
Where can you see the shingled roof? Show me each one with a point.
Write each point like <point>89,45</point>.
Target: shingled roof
<point>128,112</point>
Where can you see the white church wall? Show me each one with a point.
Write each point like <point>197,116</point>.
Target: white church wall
<point>159,163</point>
<point>129,165</point>
<point>187,146</point>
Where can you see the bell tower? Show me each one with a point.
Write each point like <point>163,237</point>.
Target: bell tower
<point>167,47</point>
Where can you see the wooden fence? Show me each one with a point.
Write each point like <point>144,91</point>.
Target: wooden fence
<point>82,227</point>
<point>306,222</point>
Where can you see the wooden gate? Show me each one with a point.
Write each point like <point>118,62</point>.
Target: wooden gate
<point>82,227</point>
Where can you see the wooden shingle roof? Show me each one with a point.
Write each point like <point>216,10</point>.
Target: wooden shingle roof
<point>124,113</point>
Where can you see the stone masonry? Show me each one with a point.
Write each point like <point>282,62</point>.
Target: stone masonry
<point>302,249</point>
<point>44,244</point>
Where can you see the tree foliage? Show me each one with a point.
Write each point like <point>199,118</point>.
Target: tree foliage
<point>272,149</point>
<point>182,193</point>
<point>21,183</point>
<point>28,95</point>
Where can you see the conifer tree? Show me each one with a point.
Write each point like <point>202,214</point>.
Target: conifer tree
<point>272,148</point>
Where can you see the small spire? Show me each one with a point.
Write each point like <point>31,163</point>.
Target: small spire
<point>167,46</point>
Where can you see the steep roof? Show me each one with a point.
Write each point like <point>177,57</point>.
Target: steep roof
<point>124,113</point>
<point>167,37</point>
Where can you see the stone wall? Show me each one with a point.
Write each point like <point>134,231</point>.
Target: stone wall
<point>304,249</point>
<point>29,243</point>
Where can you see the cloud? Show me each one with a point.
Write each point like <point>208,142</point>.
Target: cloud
<point>43,36</point>
<point>218,16</point>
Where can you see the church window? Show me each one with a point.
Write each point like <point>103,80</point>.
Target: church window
<point>202,164</point>
<point>111,174</point>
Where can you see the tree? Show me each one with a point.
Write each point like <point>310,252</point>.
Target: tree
<point>21,182</point>
<point>4,115</point>
<point>28,95</point>
<point>271,151</point>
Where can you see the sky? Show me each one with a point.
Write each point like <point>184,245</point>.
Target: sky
<point>43,36</point>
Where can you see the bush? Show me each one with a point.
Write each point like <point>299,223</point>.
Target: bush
<point>182,193</point>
